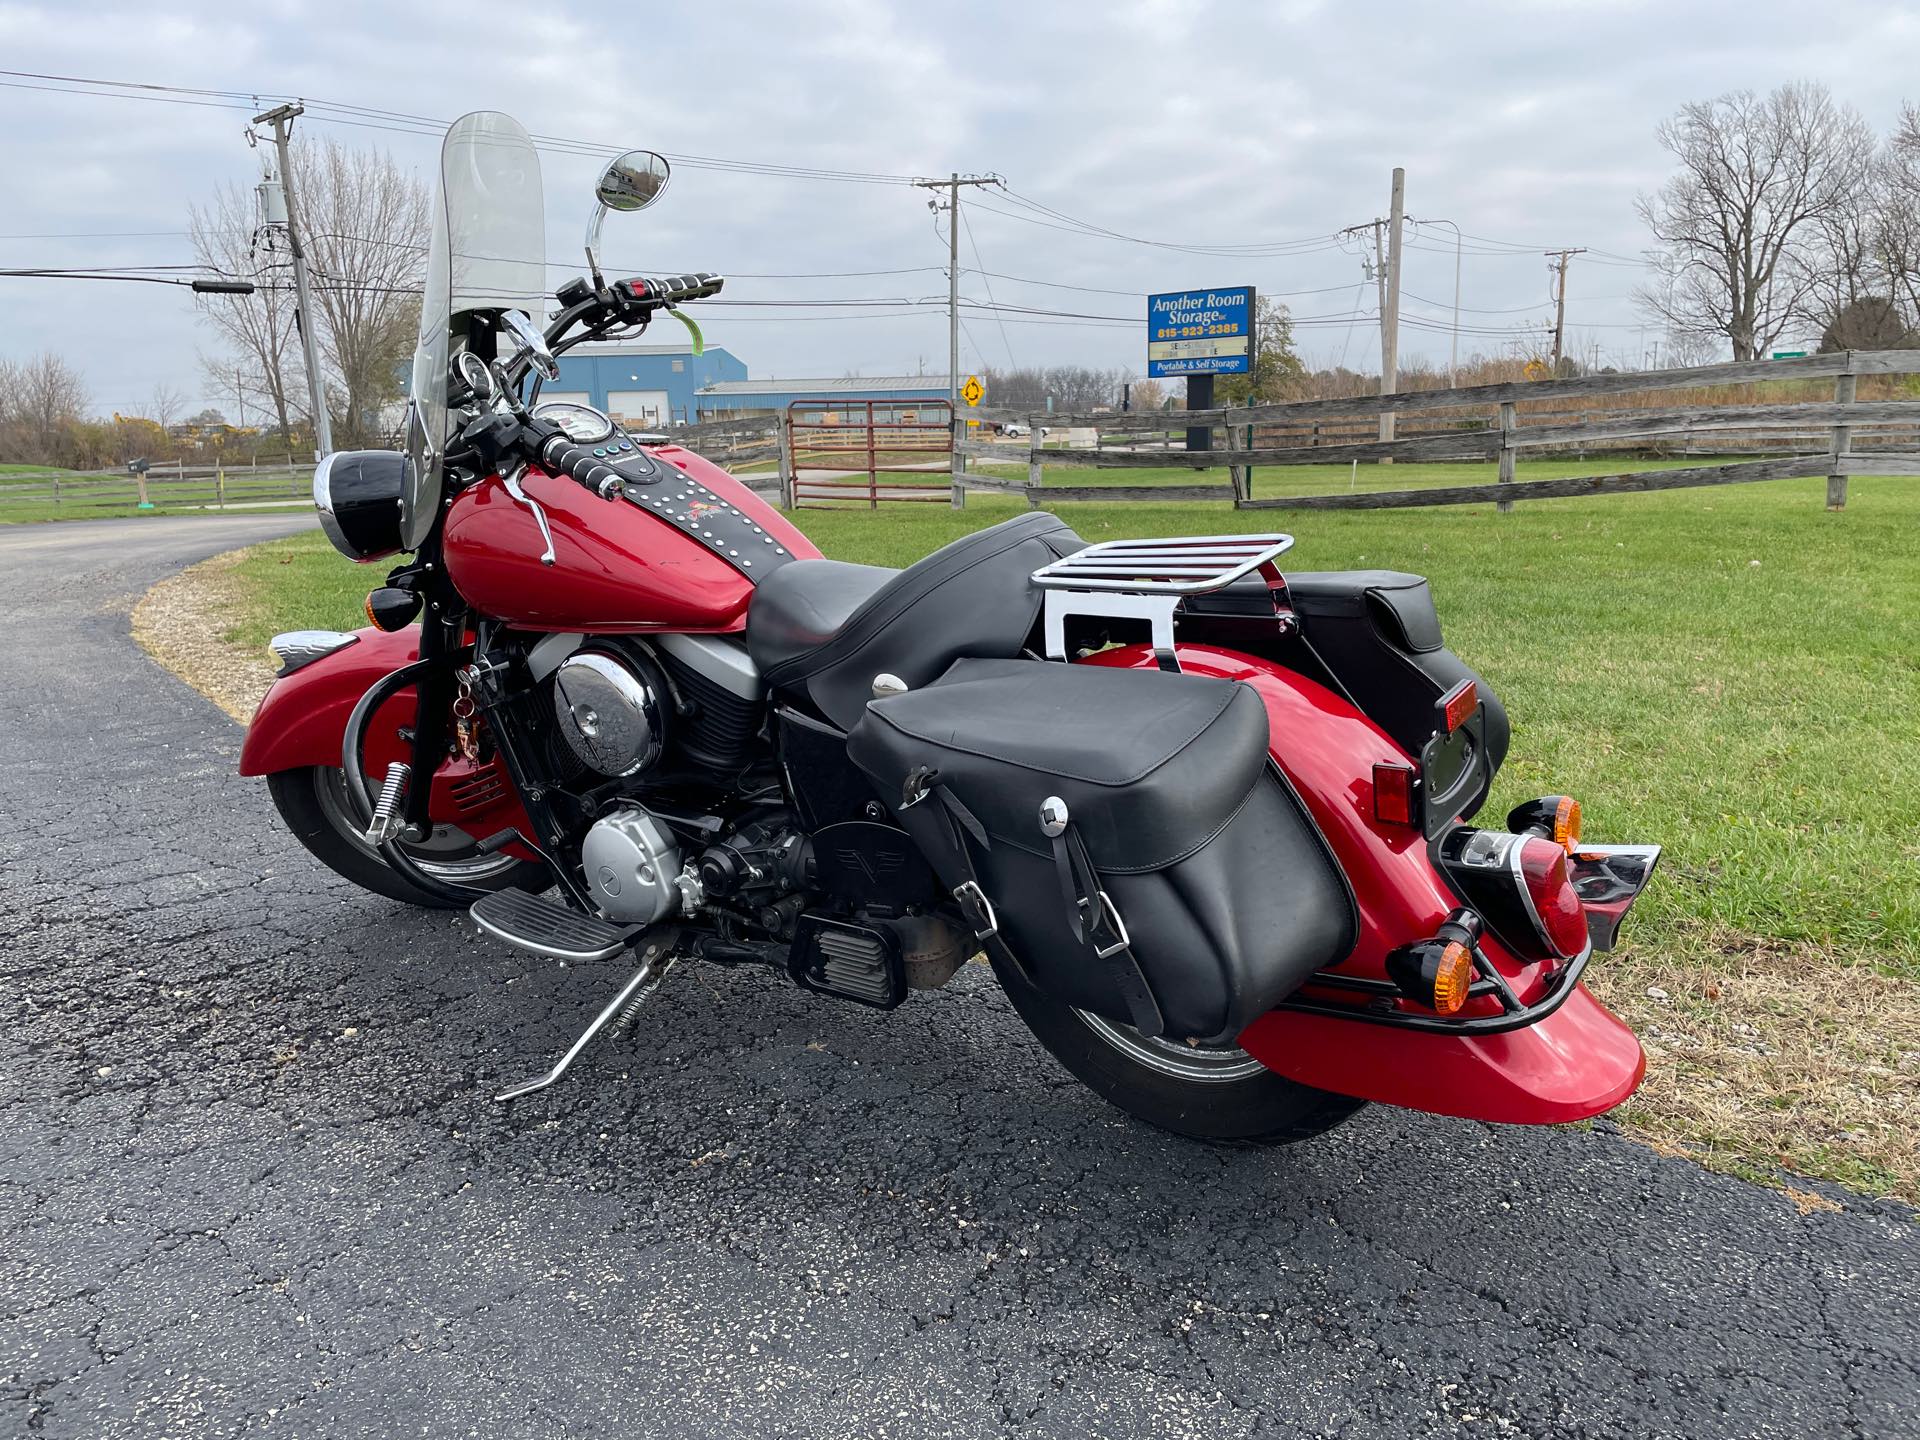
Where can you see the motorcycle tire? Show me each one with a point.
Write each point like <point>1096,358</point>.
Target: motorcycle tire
<point>314,803</point>
<point>1223,1097</point>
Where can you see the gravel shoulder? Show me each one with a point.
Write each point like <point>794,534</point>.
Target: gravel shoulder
<point>177,622</point>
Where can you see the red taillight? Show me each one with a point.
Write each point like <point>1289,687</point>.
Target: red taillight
<point>1393,795</point>
<point>1556,909</point>
<point>1457,705</point>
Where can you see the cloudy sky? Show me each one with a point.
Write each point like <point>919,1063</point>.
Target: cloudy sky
<point>1240,138</point>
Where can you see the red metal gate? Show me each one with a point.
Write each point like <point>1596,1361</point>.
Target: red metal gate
<point>854,449</point>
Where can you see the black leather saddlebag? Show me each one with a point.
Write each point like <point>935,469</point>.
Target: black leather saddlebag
<point>1121,835</point>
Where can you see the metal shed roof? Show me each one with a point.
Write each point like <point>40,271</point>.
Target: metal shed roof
<point>854,384</point>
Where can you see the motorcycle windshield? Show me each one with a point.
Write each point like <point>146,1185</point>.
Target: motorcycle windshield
<point>488,252</point>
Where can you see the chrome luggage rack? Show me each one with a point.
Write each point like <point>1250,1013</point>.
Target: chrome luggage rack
<point>1148,580</point>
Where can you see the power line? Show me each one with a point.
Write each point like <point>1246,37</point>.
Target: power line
<point>1209,247</point>
<point>967,225</point>
<point>398,122</point>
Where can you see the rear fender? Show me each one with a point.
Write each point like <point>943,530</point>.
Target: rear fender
<point>1577,1061</point>
<point>302,722</point>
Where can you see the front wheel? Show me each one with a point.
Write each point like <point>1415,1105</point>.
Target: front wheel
<point>1223,1096</point>
<point>322,816</point>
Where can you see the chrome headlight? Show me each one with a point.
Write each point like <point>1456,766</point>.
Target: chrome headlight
<point>357,493</point>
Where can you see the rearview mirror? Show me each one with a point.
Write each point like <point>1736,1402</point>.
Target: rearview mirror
<point>632,181</point>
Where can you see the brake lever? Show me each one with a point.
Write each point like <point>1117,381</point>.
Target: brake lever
<point>512,482</point>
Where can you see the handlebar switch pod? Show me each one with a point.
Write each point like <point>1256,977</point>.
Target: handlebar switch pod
<point>606,468</point>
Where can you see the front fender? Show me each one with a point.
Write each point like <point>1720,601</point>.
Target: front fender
<point>302,721</point>
<point>302,718</point>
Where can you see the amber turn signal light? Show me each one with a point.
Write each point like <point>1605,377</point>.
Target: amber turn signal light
<point>391,608</point>
<point>1551,817</point>
<point>1437,973</point>
<point>1452,978</point>
<point>1566,824</point>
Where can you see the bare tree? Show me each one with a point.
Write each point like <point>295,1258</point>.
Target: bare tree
<point>165,406</point>
<point>1735,225</point>
<point>262,363</point>
<point>42,400</point>
<point>1898,228</point>
<point>365,224</point>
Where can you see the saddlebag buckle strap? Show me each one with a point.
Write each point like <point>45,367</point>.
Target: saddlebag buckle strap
<point>1097,924</point>
<point>977,909</point>
<point>1107,918</point>
<point>918,784</point>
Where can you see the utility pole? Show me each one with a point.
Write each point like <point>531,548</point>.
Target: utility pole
<point>952,184</point>
<point>281,118</point>
<point>1390,313</point>
<point>1558,261</point>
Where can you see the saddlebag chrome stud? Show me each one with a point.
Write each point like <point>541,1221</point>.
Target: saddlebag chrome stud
<point>1053,816</point>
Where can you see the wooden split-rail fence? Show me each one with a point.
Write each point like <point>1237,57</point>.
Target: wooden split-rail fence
<point>1752,437</point>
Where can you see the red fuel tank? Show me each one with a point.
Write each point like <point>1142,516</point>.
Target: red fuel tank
<point>616,568</point>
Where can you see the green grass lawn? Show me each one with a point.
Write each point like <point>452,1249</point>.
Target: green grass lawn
<point>1732,672</point>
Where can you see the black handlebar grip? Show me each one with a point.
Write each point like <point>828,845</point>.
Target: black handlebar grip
<point>561,456</point>
<point>669,289</point>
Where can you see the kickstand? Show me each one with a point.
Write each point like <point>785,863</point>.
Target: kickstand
<point>653,963</point>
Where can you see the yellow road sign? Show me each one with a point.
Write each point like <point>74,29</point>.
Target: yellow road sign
<point>973,391</point>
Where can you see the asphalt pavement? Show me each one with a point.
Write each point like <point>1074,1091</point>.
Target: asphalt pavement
<point>251,1179</point>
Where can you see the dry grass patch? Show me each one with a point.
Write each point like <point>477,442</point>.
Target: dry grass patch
<point>1763,1054</point>
<point>178,623</point>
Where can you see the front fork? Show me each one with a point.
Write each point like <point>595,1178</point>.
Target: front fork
<point>434,677</point>
<point>442,638</point>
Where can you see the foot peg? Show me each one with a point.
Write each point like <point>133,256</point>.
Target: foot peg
<point>639,988</point>
<point>386,823</point>
<point>549,928</point>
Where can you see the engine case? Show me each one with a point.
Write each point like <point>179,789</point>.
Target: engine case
<point>632,863</point>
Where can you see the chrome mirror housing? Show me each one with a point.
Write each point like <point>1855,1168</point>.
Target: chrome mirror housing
<point>632,181</point>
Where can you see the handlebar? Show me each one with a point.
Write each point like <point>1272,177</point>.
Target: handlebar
<point>560,456</point>
<point>656,290</point>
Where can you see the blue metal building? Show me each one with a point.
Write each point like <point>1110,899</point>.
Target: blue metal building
<point>740,396</point>
<point>643,386</point>
<point>647,386</point>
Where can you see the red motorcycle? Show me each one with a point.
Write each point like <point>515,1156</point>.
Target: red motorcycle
<point>1207,819</point>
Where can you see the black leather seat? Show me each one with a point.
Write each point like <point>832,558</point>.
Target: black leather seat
<point>825,628</point>
<point>804,604</point>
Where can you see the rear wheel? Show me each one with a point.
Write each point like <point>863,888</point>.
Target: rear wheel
<point>315,804</point>
<point>1224,1096</point>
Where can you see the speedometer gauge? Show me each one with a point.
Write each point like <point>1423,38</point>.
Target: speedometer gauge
<point>583,424</point>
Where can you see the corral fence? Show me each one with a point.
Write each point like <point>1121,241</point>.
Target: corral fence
<point>171,485</point>
<point>1737,414</point>
<point>867,451</point>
